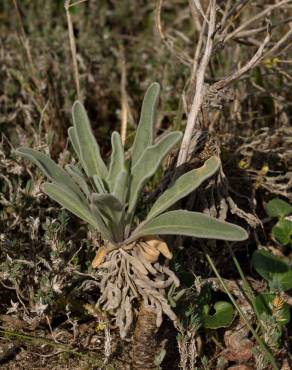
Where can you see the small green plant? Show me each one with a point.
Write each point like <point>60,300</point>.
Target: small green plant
<point>106,196</point>
<point>282,230</point>
<point>271,307</point>
<point>273,269</point>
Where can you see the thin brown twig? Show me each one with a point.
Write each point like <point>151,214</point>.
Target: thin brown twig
<point>198,98</point>
<point>255,18</point>
<point>258,56</point>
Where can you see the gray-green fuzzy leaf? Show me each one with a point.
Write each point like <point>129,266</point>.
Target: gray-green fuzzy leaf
<point>50,169</point>
<point>74,140</point>
<point>112,211</point>
<point>99,184</point>
<point>68,199</point>
<point>183,186</point>
<point>121,186</point>
<point>89,149</point>
<point>103,228</point>
<point>117,163</point>
<point>145,129</point>
<point>148,165</point>
<point>188,223</point>
<point>78,177</point>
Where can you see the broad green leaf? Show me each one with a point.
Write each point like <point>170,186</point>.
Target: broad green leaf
<point>74,140</point>
<point>183,186</point>
<point>78,177</point>
<point>145,129</point>
<point>121,186</point>
<point>70,201</point>
<point>265,304</point>
<point>111,210</point>
<point>197,225</point>
<point>148,165</point>
<point>117,163</point>
<point>282,231</point>
<point>273,269</point>
<point>89,149</point>
<point>278,208</point>
<point>222,317</point>
<point>50,169</point>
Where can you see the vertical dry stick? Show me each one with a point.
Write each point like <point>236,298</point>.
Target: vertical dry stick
<point>124,105</point>
<point>198,98</point>
<point>73,48</point>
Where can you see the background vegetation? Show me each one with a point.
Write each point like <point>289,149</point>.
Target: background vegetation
<point>48,287</point>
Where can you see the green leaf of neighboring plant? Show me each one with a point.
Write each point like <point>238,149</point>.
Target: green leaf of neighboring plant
<point>192,224</point>
<point>50,169</point>
<point>77,176</point>
<point>145,129</point>
<point>117,163</point>
<point>265,304</point>
<point>184,185</point>
<point>222,317</point>
<point>278,208</point>
<point>148,165</point>
<point>70,201</point>
<point>89,149</point>
<point>273,269</point>
<point>282,231</point>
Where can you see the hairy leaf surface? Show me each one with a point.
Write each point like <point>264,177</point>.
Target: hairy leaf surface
<point>188,223</point>
<point>183,186</point>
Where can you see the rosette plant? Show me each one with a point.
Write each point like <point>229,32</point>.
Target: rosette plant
<point>105,195</point>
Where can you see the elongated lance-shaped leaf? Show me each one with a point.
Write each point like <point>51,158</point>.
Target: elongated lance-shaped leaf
<point>103,228</point>
<point>68,200</point>
<point>99,184</point>
<point>112,212</point>
<point>50,169</point>
<point>117,163</point>
<point>78,177</point>
<point>183,186</point>
<point>74,140</point>
<point>188,223</point>
<point>145,129</point>
<point>121,186</point>
<point>148,165</point>
<point>89,149</point>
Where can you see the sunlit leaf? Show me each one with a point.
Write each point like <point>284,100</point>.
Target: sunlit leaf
<point>184,185</point>
<point>117,163</point>
<point>145,129</point>
<point>89,149</point>
<point>148,165</point>
<point>188,223</point>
